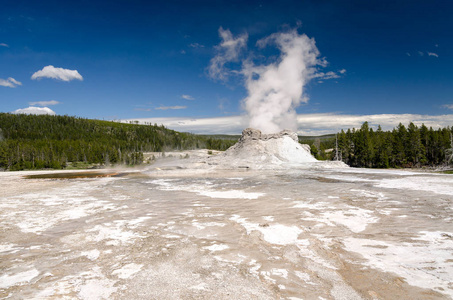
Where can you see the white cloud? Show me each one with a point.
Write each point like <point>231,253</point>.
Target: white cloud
<point>187,97</point>
<point>328,75</point>
<point>448,106</point>
<point>44,103</point>
<point>171,107</point>
<point>34,111</point>
<point>433,54</point>
<point>421,53</point>
<point>227,51</point>
<point>196,45</point>
<point>10,82</point>
<point>57,73</point>
<point>220,125</point>
<point>4,45</point>
<point>331,122</point>
<point>308,124</point>
<point>224,103</point>
<point>408,54</point>
<point>142,109</point>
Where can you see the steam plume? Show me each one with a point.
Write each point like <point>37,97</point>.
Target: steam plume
<point>276,89</point>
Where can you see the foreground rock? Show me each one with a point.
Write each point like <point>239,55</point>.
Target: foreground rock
<point>261,234</point>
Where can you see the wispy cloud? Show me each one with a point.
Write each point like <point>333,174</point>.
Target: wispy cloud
<point>308,124</point>
<point>10,82</point>
<point>422,53</point>
<point>448,106</point>
<point>4,45</point>
<point>227,51</point>
<point>196,45</point>
<point>57,73</point>
<point>326,76</point>
<point>187,97</point>
<point>223,104</point>
<point>170,107</point>
<point>142,109</point>
<point>44,103</point>
<point>34,111</point>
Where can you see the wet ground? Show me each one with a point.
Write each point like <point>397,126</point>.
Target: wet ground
<point>225,234</point>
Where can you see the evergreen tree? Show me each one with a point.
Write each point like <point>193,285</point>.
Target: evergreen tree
<point>415,151</point>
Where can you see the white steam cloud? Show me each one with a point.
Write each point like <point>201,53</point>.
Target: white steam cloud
<point>227,51</point>
<point>276,89</point>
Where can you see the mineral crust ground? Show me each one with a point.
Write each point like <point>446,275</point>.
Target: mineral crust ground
<point>173,231</point>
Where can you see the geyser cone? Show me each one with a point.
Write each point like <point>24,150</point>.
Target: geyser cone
<point>257,150</point>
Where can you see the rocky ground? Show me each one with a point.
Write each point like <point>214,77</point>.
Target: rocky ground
<point>173,231</point>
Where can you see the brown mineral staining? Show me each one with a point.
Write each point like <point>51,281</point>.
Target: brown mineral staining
<point>74,175</point>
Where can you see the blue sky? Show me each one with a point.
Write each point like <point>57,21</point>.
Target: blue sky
<point>389,61</point>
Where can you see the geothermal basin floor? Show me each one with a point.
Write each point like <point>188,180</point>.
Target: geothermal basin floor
<point>176,234</point>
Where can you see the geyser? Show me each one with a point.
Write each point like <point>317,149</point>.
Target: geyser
<point>256,150</point>
<point>277,147</point>
<point>282,150</point>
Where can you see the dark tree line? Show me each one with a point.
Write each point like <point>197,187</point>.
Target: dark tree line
<point>403,147</point>
<point>37,142</point>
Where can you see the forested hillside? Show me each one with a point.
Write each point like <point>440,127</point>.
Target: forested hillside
<point>38,142</point>
<point>43,141</point>
<point>400,148</point>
